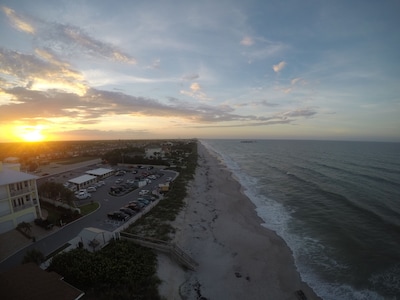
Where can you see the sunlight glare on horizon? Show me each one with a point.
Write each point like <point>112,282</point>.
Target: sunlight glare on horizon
<point>30,133</point>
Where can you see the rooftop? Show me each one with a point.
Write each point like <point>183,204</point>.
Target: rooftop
<point>82,179</point>
<point>8,176</point>
<point>28,281</point>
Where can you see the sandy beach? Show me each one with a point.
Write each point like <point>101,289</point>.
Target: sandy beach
<point>237,257</point>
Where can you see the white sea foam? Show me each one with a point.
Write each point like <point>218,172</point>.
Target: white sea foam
<point>305,249</point>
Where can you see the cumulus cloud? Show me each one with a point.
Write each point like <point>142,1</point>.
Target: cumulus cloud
<point>247,41</point>
<point>279,67</point>
<point>195,87</point>
<point>196,92</point>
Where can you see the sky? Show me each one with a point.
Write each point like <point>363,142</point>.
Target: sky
<point>285,69</point>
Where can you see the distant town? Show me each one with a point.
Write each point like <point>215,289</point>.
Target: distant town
<point>32,157</point>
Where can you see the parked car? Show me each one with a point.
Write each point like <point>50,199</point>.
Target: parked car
<point>44,223</point>
<point>83,195</point>
<point>150,198</point>
<point>144,201</point>
<point>128,211</point>
<point>133,206</point>
<point>138,203</point>
<point>118,215</point>
<point>91,189</point>
<point>143,192</point>
<point>100,183</point>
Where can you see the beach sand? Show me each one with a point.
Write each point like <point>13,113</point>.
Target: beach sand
<point>238,258</point>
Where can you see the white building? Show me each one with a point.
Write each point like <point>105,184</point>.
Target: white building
<point>154,152</point>
<point>83,181</point>
<point>19,199</point>
<point>101,173</point>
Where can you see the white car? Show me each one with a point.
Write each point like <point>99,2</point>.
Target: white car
<point>143,192</point>
<point>83,195</point>
<point>91,189</point>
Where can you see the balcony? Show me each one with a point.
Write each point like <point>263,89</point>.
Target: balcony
<point>25,206</point>
<point>23,191</point>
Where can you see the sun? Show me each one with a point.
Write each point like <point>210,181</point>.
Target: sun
<point>32,134</point>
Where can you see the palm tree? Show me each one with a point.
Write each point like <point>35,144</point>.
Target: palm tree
<point>25,227</point>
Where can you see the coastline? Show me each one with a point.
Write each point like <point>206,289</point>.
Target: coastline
<point>238,258</point>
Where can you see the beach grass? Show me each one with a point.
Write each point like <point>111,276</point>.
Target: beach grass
<point>157,223</point>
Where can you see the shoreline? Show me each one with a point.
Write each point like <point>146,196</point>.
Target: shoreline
<point>238,258</point>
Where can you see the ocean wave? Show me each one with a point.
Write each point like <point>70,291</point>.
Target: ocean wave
<point>342,227</point>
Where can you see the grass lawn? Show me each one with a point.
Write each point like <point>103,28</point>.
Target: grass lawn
<point>88,208</point>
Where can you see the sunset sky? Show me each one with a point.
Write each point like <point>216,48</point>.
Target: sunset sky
<point>90,70</point>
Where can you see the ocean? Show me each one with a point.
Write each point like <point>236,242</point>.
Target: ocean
<point>336,204</point>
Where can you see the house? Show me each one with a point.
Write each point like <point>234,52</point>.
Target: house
<point>29,282</point>
<point>19,199</point>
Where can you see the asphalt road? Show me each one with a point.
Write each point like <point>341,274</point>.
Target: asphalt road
<point>97,219</point>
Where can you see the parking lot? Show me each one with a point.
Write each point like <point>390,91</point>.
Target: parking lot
<point>144,197</point>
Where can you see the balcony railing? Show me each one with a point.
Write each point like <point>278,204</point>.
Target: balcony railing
<point>26,190</point>
<point>25,206</point>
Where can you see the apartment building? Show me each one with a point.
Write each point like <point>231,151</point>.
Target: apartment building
<point>19,199</point>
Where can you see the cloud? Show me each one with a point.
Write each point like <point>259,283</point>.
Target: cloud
<point>294,83</point>
<point>195,87</point>
<point>95,104</point>
<point>72,40</point>
<point>258,103</point>
<point>196,92</point>
<point>263,49</point>
<point>94,134</point>
<point>247,41</point>
<point>287,117</point>
<point>18,21</point>
<point>279,67</point>
<point>66,39</point>
<point>155,65</point>
<point>189,77</point>
<point>295,80</point>
<point>41,72</point>
<point>301,112</point>
<point>56,107</point>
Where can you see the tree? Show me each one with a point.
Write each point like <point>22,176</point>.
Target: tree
<point>34,256</point>
<point>25,227</point>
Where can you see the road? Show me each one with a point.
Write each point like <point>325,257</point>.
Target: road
<point>97,219</point>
